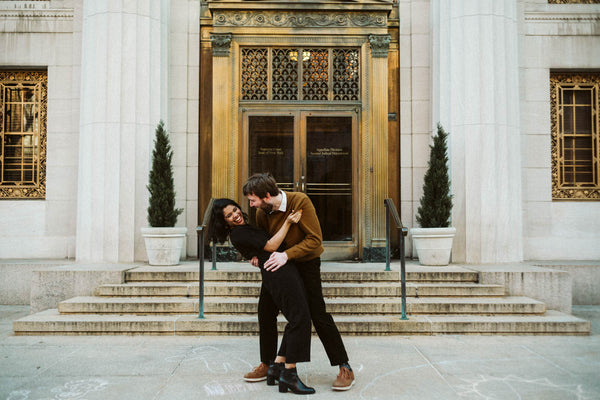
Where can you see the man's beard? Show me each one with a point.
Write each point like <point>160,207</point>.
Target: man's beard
<point>266,207</point>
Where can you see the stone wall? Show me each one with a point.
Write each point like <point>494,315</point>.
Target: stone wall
<point>48,38</point>
<point>553,37</point>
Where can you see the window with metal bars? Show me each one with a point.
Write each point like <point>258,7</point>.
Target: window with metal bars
<point>573,1</point>
<point>23,104</point>
<point>575,99</point>
<point>300,74</point>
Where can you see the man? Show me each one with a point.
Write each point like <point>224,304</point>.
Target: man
<point>304,244</point>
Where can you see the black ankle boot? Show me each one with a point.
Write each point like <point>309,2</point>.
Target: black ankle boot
<point>289,380</point>
<point>274,372</point>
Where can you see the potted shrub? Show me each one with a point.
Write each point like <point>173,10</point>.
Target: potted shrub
<point>163,240</point>
<point>433,240</point>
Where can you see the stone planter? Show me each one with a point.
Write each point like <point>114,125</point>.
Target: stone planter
<point>163,245</point>
<point>433,245</point>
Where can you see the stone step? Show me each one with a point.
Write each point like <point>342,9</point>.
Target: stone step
<point>50,322</point>
<point>433,274</point>
<point>338,305</point>
<point>330,289</point>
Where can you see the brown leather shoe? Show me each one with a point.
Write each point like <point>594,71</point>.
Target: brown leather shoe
<point>258,374</point>
<point>344,380</point>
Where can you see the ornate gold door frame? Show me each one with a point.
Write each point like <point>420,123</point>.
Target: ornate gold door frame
<point>316,152</point>
<point>297,28</point>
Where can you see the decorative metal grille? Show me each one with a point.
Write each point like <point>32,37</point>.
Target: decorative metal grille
<point>285,74</point>
<point>254,75</point>
<point>345,74</point>
<point>277,74</point>
<point>23,106</point>
<point>315,68</point>
<point>575,101</point>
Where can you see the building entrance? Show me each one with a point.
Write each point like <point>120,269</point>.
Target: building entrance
<point>312,152</point>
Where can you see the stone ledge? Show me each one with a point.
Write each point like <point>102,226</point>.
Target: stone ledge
<point>585,276</point>
<point>16,276</point>
<point>50,322</point>
<point>49,286</point>
<point>551,286</point>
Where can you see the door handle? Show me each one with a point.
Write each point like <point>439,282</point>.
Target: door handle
<point>302,180</point>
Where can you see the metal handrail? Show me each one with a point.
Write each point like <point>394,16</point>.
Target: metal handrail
<point>391,210</point>
<point>200,230</point>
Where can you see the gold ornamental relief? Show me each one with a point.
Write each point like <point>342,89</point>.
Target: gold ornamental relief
<point>23,114</point>
<point>306,19</point>
<point>575,136</point>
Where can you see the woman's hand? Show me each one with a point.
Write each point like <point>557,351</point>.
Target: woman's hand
<point>294,217</point>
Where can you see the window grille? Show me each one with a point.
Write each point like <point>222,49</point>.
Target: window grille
<point>300,74</point>
<point>315,68</point>
<point>23,100</point>
<point>254,75</point>
<point>285,74</point>
<point>573,1</point>
<point>575,136</point>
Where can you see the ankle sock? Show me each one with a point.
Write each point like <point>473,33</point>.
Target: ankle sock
<point>346,365</point>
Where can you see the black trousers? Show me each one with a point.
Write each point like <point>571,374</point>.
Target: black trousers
<point>310,274</point>
<point>284,289</point>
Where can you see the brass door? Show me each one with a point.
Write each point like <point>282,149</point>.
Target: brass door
<point>313,152</point>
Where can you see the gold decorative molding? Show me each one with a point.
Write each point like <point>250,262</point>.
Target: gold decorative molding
<point>36,83</point>
<point>561,190</point>
<point>306,19</point>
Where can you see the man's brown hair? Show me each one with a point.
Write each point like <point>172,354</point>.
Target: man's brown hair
<point>261,184</point>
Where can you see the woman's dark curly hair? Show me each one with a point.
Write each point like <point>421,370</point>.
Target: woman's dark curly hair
<point>218,229</point>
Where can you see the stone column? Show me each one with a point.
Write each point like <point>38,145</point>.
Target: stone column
<point>223,145</point>
<point>123,96</point>
<point>475,95</point>
<point>380,45</point>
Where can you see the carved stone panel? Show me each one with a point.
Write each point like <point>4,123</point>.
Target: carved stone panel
<point>221,44</point>
<point>305,19</point>
<point>380,45</point>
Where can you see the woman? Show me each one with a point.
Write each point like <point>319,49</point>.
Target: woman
<point>284,286</point>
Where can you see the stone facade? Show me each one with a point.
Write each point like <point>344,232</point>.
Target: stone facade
<point>481,68</point>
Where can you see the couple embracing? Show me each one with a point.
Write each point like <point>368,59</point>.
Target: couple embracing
<point>286,246</point>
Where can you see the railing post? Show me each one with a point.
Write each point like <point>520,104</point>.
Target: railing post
<point>214,256</point>
<point>387,236</point>
<point>200,232</point>
<point>391,211</point>
<point>403,273</point>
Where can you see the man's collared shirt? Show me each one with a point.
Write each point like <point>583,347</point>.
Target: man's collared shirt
<point>283,205</point>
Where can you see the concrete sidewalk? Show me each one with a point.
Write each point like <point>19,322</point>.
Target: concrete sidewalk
<point>394,367</point>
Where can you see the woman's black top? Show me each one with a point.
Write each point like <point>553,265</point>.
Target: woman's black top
<point>250,241</point>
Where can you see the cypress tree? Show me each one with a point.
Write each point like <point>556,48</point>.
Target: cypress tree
<point>162,211</point>
<point>436,203</point>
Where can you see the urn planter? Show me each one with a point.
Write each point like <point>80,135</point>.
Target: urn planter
<point>433,245</point>
<point>163,245</point>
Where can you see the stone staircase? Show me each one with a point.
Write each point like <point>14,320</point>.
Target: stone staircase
<point>363,298</point>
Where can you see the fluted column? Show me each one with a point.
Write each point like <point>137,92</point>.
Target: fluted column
<point>475,96</point>
<point>123,96</point>
<point>379,45</point>
<point>223,144</point>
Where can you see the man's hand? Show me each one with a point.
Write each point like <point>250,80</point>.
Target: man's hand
<point>276,261</point>
<point>254,261</point>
